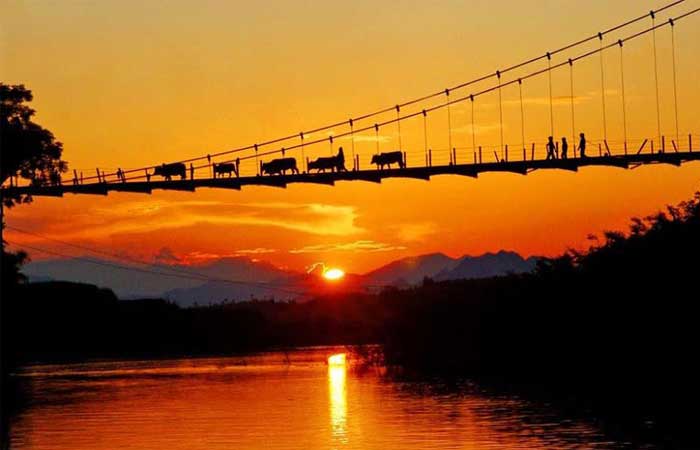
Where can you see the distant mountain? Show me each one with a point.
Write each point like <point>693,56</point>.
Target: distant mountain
<point>488,265</point>
<point>141,280</point>
<point>412,270</point>
<point>236,279</point>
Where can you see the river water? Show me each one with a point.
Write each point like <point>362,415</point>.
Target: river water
<point>276,401</point>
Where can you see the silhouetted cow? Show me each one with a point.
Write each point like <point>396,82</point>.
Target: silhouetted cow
<point>280,166</point>
<point>333,163</point>
<point>388,159</point>
<point>167,171</point>
<point>222,168</point>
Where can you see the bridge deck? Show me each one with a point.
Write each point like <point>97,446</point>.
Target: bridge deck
<point>371,175</point>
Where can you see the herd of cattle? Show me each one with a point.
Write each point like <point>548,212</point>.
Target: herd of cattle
<point>280,166</point>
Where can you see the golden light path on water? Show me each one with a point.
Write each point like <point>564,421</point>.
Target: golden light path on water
<point>338,403</point>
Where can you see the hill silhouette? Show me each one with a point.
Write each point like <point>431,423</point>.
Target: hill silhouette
<point>438,266</point>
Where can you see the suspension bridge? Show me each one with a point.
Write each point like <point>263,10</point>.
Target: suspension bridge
<point>246,165</point>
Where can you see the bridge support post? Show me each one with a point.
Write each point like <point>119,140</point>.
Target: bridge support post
<point>690,142</point>
<point>663,144</point>
<point>480,159</point>
<point>454,156</point>
<point>625,148</point>
<point>532,156</point>
<point>506,152</point>
<point>430,157</point>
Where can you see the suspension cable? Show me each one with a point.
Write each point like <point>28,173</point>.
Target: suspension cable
<point>551,103</point>
<point>602,88</point>
<point>675,88</point>
<point>376,136</point>
<point>425,135</point>
<point>420,99</point>
<point>522,113</point>
<point>500,107</point>
<point>473,129</point>
<point>352,138</point>
<point>571,96</point>
<point>449,121</point>
<point>656,77</point>
<point>622,82</point>
<point>398,125</point>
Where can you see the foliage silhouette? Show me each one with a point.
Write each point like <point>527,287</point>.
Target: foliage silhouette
<point>28,150</point>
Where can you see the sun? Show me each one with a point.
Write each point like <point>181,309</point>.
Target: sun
<point>333,274</point>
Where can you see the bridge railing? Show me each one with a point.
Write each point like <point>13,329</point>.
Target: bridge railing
<point>439,156</point>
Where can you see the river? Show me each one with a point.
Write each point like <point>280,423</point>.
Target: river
<point>276,401</point>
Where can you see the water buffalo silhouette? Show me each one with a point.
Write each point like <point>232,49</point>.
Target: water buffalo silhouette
<point>388,159</point>
<point>280,166</point>
<point>167,171</point>
<point>223,168</point>
<point>334,163</point>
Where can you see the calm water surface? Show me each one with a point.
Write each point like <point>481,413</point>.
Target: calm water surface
<point>261,402</point>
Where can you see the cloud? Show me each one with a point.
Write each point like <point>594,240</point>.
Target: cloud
<point>361,246</point>
<point>416,231</point>
<point>255,251</point>
<point>141,217</point>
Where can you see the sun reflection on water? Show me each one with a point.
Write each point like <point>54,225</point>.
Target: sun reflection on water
<point>338,403</point>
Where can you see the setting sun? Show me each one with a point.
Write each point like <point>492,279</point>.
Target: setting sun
<point>333,274</point>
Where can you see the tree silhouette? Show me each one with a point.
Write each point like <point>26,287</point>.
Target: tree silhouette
<point>29,150</point>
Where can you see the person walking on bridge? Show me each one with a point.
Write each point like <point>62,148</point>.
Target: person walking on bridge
<point>582,146</point>
<point>564,148</point>
<point>551,149</point>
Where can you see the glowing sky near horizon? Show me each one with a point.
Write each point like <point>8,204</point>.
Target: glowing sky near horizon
<point>131,83</point>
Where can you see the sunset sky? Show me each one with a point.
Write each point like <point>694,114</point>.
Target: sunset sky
<point>132,83</point>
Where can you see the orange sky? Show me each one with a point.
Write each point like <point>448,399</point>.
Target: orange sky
<point>127,84</point>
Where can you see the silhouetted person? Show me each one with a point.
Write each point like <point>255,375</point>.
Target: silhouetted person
<point>341,160</point>
<point>582,146</point>
<point>564,148</point>
<point>551,148</point>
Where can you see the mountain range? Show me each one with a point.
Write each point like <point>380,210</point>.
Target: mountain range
<point>242,278</point>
